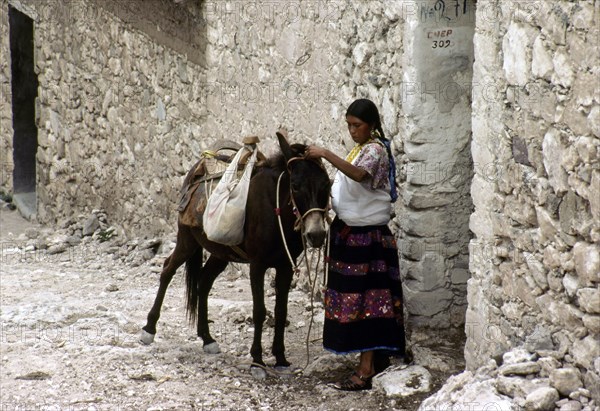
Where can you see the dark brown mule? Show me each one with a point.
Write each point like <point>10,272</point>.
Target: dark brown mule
<point>303,182</point>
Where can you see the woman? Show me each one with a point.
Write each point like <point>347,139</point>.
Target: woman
<point>363,299</point>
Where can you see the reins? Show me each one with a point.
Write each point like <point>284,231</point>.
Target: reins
<point>278,213</point>
<point>299,225</point>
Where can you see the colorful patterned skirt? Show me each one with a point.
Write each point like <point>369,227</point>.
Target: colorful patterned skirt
<point>363,299</point>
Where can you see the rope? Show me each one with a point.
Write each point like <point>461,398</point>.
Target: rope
<point>287,250</point>
<point>272,371</point>
<point>312,283</point>
<point>298,225</point>
<point>300,218</point>
<point>209,153</point>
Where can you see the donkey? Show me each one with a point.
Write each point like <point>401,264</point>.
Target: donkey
<point>286,210</point>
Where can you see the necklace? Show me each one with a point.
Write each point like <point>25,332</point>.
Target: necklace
<point>356,150</point>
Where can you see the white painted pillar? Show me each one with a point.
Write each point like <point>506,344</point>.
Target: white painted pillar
<point>436,94</point>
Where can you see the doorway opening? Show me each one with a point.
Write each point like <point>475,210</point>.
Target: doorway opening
<point>24,86</point>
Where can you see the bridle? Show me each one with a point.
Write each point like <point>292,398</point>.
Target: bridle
<point>300,218</point>
<point>299,223</point>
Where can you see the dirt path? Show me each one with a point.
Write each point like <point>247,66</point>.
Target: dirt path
<point>70,323</point>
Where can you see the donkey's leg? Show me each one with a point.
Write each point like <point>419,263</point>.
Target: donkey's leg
<point>283,281</point>
<point>184,248</point>
<point>259,311</point>
<point>211,270</point>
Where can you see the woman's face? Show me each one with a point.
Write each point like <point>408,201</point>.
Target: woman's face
<point>358,129</point>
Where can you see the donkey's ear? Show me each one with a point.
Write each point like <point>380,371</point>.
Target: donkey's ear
<point>283,143</point>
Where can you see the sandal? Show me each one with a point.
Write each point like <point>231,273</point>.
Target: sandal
<point>349,385</point>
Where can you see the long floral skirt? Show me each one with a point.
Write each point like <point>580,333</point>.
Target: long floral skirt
<point>363,299</point>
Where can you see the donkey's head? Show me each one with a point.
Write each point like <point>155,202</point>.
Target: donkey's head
<point>310,189</point>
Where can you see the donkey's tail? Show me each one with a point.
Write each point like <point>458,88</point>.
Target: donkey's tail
<point>192,281</point>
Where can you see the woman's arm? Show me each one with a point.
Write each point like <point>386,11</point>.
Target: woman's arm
<point>355,173</point>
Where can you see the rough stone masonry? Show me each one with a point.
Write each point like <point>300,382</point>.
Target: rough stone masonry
<point>534,260</point>
<point>121,116</point>
<point>493,108</point>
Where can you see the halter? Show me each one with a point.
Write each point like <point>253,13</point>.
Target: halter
<point>299,223</point>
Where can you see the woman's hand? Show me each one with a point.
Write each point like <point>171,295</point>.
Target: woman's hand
<point>315,152</point>
<point>355,173</point>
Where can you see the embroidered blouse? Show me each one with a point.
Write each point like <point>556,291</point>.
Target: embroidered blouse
<point>373,159</point>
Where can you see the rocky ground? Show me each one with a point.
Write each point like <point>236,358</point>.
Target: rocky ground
<point>73,300</point>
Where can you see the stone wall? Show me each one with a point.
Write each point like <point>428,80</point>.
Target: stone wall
<point>119,114</point>
<point>272,64</point>
<point>6,127</point>
<point>299,64</point>
<point>305,62</point>
<point>536,128</point>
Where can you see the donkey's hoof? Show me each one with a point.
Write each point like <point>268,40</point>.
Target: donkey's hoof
<point>258,373</point>
<point>146,338</point>
<point>212,348</point>
<point>285,371</point>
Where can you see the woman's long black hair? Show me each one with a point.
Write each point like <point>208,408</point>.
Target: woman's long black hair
<point>367,111</point>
